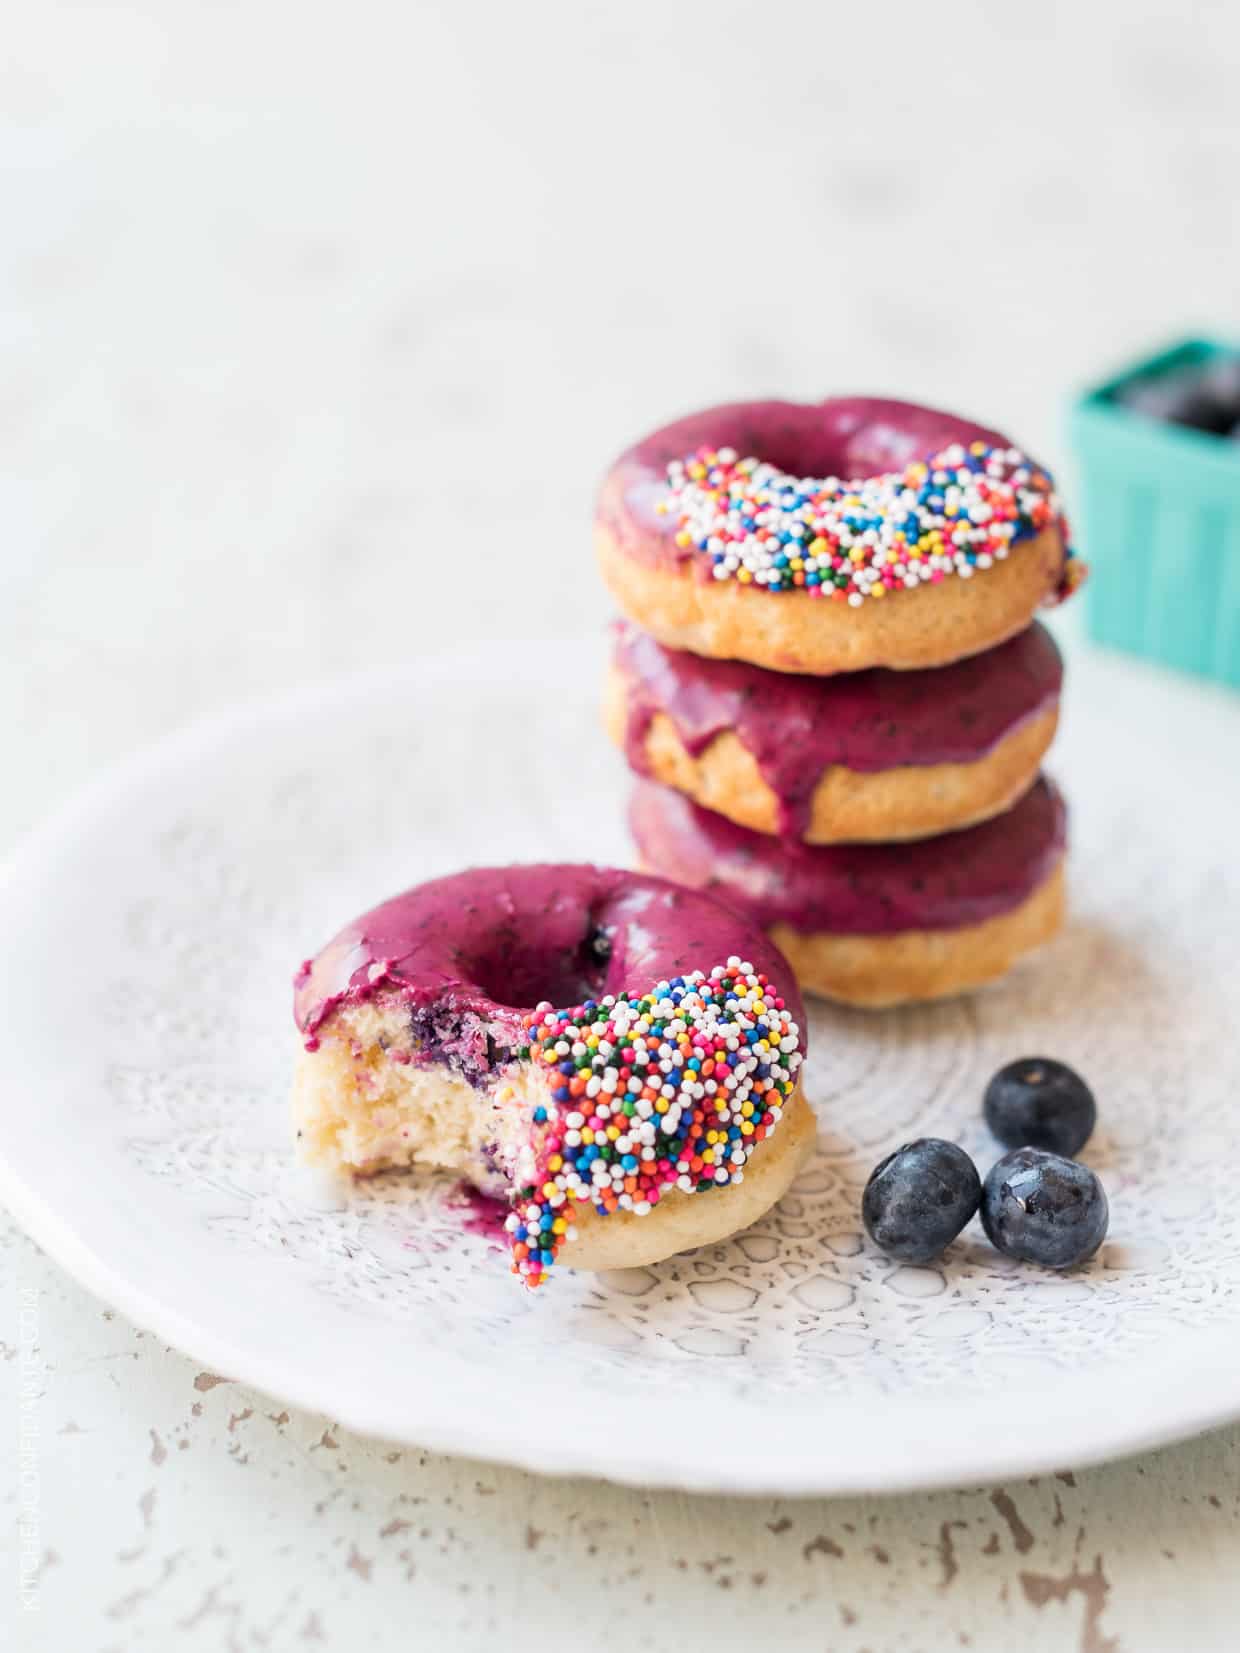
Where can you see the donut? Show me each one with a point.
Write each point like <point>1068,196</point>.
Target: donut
<point>731,534</point>
<point>874,755</point>
<point>430,1036</point>
<point>876,924</point>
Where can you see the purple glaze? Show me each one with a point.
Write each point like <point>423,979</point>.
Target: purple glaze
<point>942,883</point>
<point>844,436</point>
<point>473,953</point>
<point>481,1214</point>
<point>796,728</point>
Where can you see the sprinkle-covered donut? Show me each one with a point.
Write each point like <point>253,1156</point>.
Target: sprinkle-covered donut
<point>876,924</point>
<point>431,1035</point>
<point>864,756</point>
<point>831,536</point>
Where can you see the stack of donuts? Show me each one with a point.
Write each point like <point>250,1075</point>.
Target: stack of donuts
<point>832,687</point>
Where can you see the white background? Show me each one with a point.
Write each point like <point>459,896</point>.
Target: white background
<point>318,325</point>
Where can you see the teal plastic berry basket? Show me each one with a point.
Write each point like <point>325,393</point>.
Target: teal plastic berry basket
<point>1158,509</point>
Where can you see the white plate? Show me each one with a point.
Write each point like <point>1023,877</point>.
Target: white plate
<point>149,939</point>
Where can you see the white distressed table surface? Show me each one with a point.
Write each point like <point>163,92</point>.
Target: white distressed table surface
<point>317,326</point>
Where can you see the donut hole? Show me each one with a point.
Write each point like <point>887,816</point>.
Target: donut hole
<point>848,437</point>
<point>519,973</point>
<point>801,447</point>
<point>834,441</point>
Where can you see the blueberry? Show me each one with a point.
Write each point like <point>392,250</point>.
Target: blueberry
<point>1221,378</point>
<point>919,1198</point>
<point>1040,1103</point>
<point>1184,397</point>
<point>1042,1208</point>
<point>1205,395</point>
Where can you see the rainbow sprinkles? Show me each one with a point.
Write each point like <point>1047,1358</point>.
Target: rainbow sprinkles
<point>649,1094</point>
<point>956,513</point>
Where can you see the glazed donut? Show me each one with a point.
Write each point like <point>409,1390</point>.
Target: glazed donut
<point>731,534</point>
<point>429,1037</point>
<point>874,755</point>
<point>876,924</point>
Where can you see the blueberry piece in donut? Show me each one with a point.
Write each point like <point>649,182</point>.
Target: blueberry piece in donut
<point>597,1047</point>
<point>863,756</point>
<point>876,924</point>
<point>832,536</point>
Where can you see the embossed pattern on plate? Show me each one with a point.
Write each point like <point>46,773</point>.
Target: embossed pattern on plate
<point>150,936</point>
